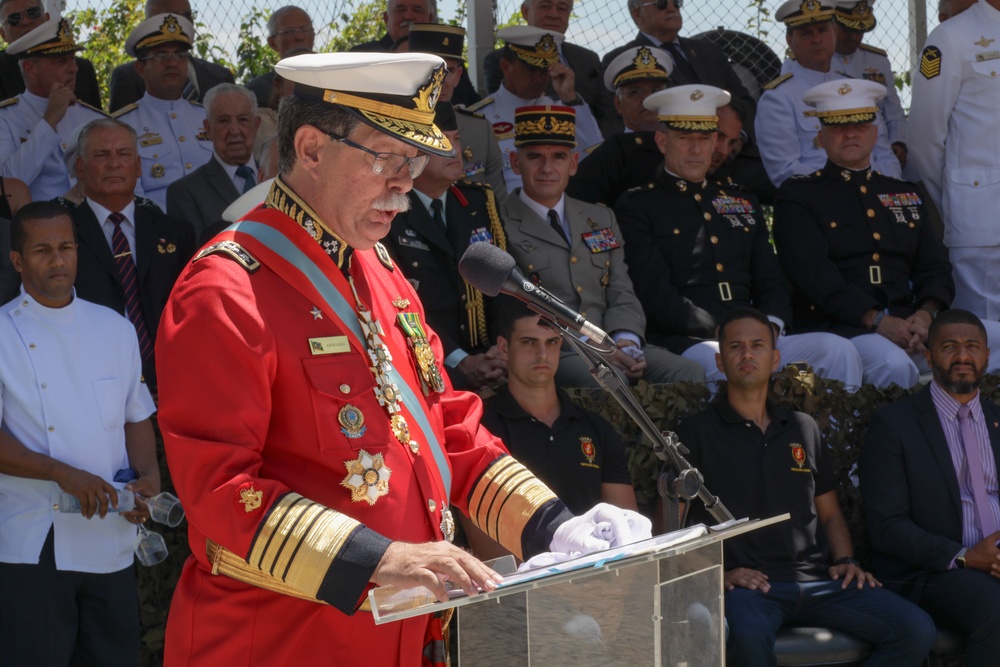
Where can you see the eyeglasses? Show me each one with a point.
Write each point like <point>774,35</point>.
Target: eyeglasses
<point>663,4</point>
<point>388,164</point>
<point>291,32</point>
<point>163,57</point>
<point>33,13</point>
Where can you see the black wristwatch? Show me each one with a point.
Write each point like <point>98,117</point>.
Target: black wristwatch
<point>846,560</point>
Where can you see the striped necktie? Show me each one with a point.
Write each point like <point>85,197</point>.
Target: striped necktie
<point>130,284</point>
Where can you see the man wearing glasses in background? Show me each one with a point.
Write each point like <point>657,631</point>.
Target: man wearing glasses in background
<point>289,29</point>
<point>695,60</point>
<point>172,138</point>
<point>127,85</point>
<point>18,18</point>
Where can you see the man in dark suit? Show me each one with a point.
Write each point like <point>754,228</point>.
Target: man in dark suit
<point>695,60</point>
<point>553,15</point>
<point>231,123</point>
<point>127,86</point>
<point>929,482</point>
<point>446,215</point>
<point>18,18</point>
<point>289,29</point>
<point>110,229</point>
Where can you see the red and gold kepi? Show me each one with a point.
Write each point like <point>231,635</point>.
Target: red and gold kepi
<point>394,93</point>
<point>545,125</point>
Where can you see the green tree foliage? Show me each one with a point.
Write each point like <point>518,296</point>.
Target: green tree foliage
<point>253,56</point>
<point>105,32</point>
<point>358,22</point>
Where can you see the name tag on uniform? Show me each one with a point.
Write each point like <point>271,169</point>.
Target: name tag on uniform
<point>989,55</point>
<point>150,139</point>
<point>329,345</point>
<point>602,240</point>
<point>412,243</point>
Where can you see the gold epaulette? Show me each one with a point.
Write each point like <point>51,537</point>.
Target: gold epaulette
<point>125,109</point>
<point>480,104</point>
<point>10,101</point>
<point>469,112</point>
<point>93,108</point>
<point>383,256</point>
<point>873,49</point>
<point>777,82</point>
<point>232,250</point>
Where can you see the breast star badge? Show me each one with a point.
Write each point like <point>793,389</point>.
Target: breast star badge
<point>367,478</point>
<point>316,313</point>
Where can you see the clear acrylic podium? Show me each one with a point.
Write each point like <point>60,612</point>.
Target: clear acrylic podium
<point>657,603</point>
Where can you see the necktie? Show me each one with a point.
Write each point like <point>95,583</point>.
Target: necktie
<point>974,462</point>
<point>246,173</point>
<point>130,284</point>
<point>554,222</point>
<point>453,232</point>
<point>681,63</point>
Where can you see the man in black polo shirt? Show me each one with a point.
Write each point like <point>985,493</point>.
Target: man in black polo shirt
<point>763,460</point>
<point>575,452</point>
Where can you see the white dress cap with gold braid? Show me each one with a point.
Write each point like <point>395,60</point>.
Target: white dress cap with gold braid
<point>640,63</point>
<point>158,30</point>
<point>690,108</point>
<point>796,13</point>
<point>855,14</point>
<point>52,38</point>
<point>535,46</point>
<point>394,93</point>
<point>845,101</point>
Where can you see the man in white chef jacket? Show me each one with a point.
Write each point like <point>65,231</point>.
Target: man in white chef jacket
<point>73,413</point>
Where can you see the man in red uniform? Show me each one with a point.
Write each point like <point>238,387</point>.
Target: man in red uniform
<point>309,426</point>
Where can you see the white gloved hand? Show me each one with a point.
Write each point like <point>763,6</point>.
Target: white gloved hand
<point>602,527</point>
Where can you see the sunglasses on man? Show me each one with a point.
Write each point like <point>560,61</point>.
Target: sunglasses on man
<point>32,13</point>
<point>663,4</point>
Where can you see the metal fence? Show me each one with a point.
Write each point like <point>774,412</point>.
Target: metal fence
<point>742,27</point>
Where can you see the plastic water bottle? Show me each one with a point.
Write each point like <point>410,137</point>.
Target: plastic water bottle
<point>68,504</point>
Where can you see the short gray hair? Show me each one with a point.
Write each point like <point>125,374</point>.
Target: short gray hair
<point>223,89</point>
<point>103,124</point>
<point>295,112</point>
<point>272,23</point>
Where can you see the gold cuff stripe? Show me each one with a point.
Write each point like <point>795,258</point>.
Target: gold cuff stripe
<point>299,541</point>
<point>381,108</point>
<point>505,500</point>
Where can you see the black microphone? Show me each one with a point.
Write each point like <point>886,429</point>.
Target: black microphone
<point>491,270</point>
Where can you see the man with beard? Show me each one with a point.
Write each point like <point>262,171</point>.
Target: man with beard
<point>929,481</point>
<point>765,460</point>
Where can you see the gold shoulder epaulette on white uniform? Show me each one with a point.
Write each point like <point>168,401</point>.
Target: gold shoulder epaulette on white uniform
<point>777,82</point>
<point>10,101</point>
<point>234,251</point>
<point>873,49</point>
<point>480,104</point>
<point>383,256</point>
<point>125,109</point>
<point>93,108</point>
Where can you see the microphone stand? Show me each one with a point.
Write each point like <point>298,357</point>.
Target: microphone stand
<point>678,479</point>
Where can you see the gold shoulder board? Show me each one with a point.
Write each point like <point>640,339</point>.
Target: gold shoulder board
<point>873,49</point>
<point>480,104</point>
<point>234,251</point>
<point>125,109</point>
<point>777,82</point>
<point>9,102</point>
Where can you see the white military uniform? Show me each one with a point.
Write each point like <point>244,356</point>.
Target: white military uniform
<point>786,153</point>
<point>956,115</point>
<point>871,64</point>
<point>499,111</point>
<point>70,379</point>
<point>32,151</point>
<point>172,142</point>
